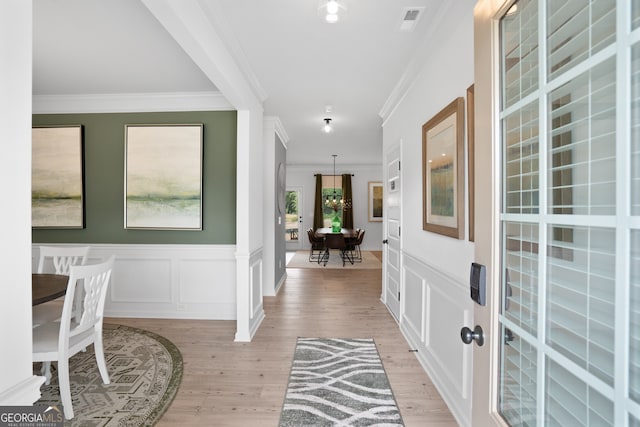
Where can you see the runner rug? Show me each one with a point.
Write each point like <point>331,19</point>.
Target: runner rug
<point>145,371</point>
<point>338,382</point>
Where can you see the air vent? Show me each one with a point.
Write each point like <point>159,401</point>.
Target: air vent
<point>410,17</point>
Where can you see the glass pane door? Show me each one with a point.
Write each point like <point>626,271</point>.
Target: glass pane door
<point>292,216</point>
<point>570,96</point>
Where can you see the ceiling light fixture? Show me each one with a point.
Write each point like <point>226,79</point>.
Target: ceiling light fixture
<point>327,127</point>
<point>331,10</point>
<point>332,7</point>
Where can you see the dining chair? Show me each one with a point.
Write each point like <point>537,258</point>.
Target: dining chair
<point>336,241</point>
<point>57,260</point>
<point>58,341</point>
<point>357,252</point>
<point>317,246</point>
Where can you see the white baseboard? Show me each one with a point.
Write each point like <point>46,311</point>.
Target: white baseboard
<point>25,393</point>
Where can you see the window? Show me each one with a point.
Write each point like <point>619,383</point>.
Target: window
<point>570,145</point>
<point>331,189</point>
<point>292,232</point>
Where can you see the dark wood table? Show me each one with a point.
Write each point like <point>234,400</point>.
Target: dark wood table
<point>47,287</point>
<point>348,233</point>
<point>332,243</point>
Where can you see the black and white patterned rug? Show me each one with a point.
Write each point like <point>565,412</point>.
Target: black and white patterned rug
<point>338,382</point>
<point>145,370</point>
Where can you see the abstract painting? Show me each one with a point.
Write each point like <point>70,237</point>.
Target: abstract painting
<point>375,201</point>
<point>57,177</point>
<point>443,171</point>
<point>163,177</point>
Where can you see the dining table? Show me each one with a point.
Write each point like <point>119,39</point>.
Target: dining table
<point>331,243</point>
<point>348,233</point>
<point>47,287</point>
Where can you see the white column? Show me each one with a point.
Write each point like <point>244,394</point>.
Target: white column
<point>18,386</point>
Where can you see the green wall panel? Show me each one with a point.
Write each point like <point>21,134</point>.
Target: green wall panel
<point>104,179</point>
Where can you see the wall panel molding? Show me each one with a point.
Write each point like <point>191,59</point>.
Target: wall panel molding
<point>168,281</point>
<point>435,307</point>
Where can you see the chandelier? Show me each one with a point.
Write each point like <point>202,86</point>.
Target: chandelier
<point>333,202</point>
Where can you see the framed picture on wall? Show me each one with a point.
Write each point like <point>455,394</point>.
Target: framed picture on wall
<point>163,177</point>
<point>375,201</point>
<point>443,171</point>
<point>57,177</point>
<point>471,158</point>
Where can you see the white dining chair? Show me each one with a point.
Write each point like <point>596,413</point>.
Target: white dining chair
<point>58,341</point>
<point>57,260</point>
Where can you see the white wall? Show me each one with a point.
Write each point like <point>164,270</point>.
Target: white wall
<point>435,301</point>
<point>303,176</point>
<point>433,89</point>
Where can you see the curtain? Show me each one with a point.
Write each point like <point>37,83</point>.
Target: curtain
<point>318,221</point>
<point>347,195</point>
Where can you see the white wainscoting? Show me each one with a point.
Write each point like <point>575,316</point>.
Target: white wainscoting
<point>435,308</point>
<point>168,281</point>
<point>256,308</point>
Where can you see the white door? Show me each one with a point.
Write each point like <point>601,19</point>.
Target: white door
<point>558,97</point>
<point>293,229</point>
<point>391,292</point>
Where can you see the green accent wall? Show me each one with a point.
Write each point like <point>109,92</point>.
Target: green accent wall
<point>104,179</point>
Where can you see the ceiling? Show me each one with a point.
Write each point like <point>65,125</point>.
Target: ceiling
<point>301,63</point>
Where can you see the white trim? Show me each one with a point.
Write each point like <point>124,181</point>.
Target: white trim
<point>441,291</point>
<point>417,62</point>
<point>274,123</point>
<point>225,32</point>
<point>249,316</point>
<point>130,102</point>
<point>281,282</point>
<point>25,393</point>
<point>168,281</point>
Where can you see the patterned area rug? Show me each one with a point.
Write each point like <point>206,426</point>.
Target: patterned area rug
<point>145,371</point>
<point>301,260</point>
<point>338,382</point>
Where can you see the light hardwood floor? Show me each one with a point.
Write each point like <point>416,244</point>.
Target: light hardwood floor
<point>243,384</point>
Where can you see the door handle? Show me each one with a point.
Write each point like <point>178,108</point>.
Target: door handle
<point>467,335</point>
<point>385,242</point>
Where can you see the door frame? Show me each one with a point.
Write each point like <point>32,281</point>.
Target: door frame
<point>299,245</point>
<point>487,208</point>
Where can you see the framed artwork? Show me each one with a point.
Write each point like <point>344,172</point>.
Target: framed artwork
<point>57,177</point>
<point>471,158</point>
<point>443,171</point>
<point>163,177</point>
<point>375,201</point>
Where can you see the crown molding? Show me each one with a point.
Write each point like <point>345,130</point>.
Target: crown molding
<point>416,64</point>
<point>348,167</point>
<point>275,123</point>
<point>225,31</point>
<point>130,102</point>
